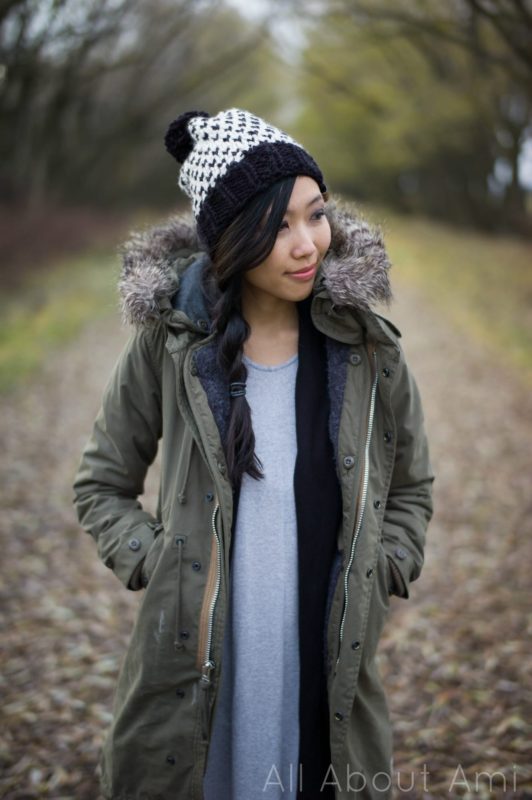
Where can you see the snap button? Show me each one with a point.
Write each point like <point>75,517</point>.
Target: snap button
<point>184,635</point>
<point>221,467</point>
<point>355,645</point>
<point>349,462</point>
<point>134,544</point>
<point>338,716</point>
<point>376,504</point>
<point>196,566</point>
<point>401,553</point>
<point>387,437</point>
<point>369,573</point>
<point>179,540</point>
<point>386,372</point>
<point>355,359</point>
<point>209,497</point>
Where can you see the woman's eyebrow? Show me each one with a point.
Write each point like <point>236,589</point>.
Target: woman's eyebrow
<point>310,203</point>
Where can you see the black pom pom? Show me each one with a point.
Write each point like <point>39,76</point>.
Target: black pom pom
<point>178,140</point>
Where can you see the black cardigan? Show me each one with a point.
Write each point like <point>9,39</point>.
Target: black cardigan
<point>319,513</point>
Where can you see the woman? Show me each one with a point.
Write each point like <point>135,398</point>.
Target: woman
<point>295,483</point>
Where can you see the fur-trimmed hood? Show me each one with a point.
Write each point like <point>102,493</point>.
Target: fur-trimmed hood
<point>162,266</point>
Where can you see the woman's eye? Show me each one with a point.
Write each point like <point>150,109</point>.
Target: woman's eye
<point>315,217</point>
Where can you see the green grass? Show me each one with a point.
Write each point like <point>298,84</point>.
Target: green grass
<point>483,284</point>
<point>50,309</point>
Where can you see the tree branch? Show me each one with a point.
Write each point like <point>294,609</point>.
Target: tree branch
<point>497,21</point>
<point>440,28</point>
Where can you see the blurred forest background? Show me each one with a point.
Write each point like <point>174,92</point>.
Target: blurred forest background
<point>420,105</point>
<point>420,113</point>
<point>417,108</point>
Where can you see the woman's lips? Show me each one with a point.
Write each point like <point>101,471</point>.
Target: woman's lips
<point>304,274</point>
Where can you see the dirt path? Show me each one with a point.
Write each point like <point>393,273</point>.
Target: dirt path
<point>455,658</point>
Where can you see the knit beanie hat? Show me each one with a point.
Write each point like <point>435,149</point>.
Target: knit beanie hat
<point>227,159</point>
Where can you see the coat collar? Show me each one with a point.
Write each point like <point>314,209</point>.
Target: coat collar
<point>160,278</point>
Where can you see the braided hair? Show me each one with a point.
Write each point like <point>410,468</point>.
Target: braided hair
<point>243,245</point>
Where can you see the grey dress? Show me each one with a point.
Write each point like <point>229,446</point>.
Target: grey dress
<point>254,748</point>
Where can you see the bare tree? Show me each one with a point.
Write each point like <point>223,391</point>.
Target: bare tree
<point>498,32</point>
<point>85,86</point>
<point>468,45</point>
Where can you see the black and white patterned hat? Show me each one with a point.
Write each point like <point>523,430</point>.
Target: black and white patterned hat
<point>229,158</point>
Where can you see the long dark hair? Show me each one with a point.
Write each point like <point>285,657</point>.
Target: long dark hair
<point>245,244</point>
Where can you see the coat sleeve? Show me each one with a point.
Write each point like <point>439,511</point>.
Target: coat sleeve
<point>409,503</point>
<point>116,458</point>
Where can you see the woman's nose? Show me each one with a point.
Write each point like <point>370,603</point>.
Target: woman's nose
<point>303,244</point>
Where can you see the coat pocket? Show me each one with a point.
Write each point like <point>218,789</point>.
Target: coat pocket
<point>152,560</point>
<point>179,544</point>
<point>152,557</point>
<point>384,576</point>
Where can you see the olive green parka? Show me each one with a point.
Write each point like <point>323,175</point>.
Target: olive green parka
<point>166,387</point>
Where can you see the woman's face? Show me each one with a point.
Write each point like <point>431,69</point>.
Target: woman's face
<point>302,241</point>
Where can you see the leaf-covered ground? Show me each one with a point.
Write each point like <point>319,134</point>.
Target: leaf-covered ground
<point>456,657</point>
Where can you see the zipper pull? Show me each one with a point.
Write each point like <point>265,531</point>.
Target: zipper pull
<point>206,674</point>
<point>205,684</point>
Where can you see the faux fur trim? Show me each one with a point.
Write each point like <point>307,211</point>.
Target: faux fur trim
<point>355,270</point>
<point>149,267</point>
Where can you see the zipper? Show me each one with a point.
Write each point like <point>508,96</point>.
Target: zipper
<point>363,499</point>
<point>207,664</point>
<point>210,625</point>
